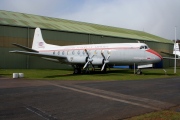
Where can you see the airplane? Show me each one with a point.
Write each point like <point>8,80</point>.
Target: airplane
<point>176,52</point>
<point>80,57</point>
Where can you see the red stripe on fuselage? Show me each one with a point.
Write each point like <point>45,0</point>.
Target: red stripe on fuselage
<point>67,49</point>
<point>154,52</point>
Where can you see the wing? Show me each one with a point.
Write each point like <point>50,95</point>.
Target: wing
<point>170,54</point>
<point>55,58</point>
<point>167,53</point>
<point>171,58</point>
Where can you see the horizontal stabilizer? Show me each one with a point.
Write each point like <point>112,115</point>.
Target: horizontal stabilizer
<point>23,47</point>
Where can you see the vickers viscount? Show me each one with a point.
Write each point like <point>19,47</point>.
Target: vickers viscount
<point>101,55</point>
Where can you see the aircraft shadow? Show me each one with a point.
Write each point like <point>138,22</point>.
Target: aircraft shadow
<point>109,73</point>
<point>99,73</point>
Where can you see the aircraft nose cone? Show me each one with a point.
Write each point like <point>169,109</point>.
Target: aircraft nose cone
<point>156,55</point>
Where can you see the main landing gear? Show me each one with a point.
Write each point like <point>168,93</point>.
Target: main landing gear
<point>77,69</point>
<point>138,72</point>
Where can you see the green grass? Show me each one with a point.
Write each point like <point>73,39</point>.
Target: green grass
<point>113,74</point>
<point>160,115</point>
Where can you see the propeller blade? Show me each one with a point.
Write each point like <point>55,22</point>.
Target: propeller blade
<point>103,67</point>
<point>92,65</point>
<point>105,61</point>
<point>108,57</point>
<point>86,52</point>
<point>89,60</point>
<point>86,65</point>
<point>103,55</point>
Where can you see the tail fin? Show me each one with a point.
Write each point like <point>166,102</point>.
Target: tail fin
<point>38,42</point>
<point>176,49</point>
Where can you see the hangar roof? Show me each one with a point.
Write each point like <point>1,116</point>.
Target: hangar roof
<point>22,19</point>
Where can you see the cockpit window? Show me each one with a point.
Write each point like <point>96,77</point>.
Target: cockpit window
<point>142,47</point>
<point>145,47</point>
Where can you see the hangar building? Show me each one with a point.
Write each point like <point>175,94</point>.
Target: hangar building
<point>19,28</point>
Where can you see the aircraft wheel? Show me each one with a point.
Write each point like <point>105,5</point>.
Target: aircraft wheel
<point>77,71</point>
<point>138,72</point>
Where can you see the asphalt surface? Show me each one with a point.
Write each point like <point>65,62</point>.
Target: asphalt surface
<point>22,99</point>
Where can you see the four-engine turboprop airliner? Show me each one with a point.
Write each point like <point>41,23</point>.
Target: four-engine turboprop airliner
<point>81,56</point>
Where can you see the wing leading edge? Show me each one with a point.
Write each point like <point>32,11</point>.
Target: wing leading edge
<point>170,54</point>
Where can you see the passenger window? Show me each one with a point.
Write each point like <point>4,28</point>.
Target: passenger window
<point>83,52</point>
<point>73,52</point>
<point>78,52</point>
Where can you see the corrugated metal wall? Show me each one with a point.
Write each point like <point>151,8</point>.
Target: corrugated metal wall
<point>24,36</point>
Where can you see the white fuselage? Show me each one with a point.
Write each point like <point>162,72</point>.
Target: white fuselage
<point>102,55</point>
<point>118,53</point>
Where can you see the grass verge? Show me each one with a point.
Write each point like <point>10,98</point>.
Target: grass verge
<point>114,74</point>
<point>160,115</point>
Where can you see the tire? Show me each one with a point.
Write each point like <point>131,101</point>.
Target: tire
<point>138,72</point>
<point>77,71</point>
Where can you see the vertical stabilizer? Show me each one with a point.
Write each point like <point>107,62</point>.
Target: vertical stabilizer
<point>38,42</point>
<point>176,49</point>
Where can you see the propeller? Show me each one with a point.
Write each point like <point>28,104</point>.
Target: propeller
<point>106,60</point>
<point>89,60</point>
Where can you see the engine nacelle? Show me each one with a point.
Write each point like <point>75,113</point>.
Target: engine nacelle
<point>83,60</point>
<point>97,61</point>
<point>77,59</point>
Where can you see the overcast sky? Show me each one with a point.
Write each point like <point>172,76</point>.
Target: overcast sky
<point>158,17</point>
